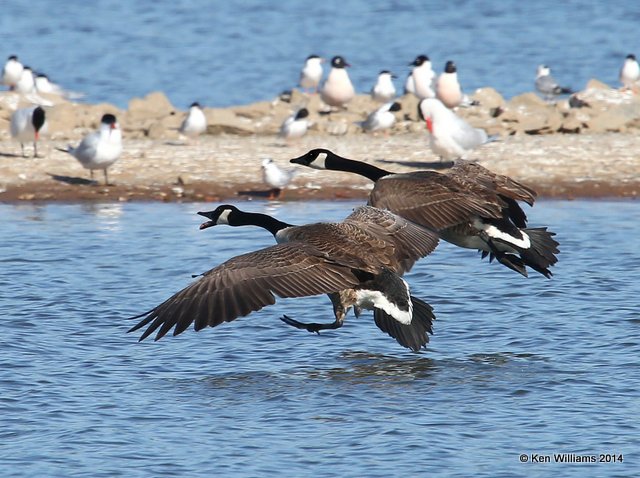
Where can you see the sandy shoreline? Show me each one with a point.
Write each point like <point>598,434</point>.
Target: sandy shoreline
<point>222,167</point>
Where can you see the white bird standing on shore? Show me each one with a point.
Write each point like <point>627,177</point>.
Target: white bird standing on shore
<point>311,73</point>
<point>43,85</point>
<point>26,84</point>
<point>384,90</point>
<point>195,123</point>
<point>451,136</point>
<point>337,89</point>
<point>547,84</point>
<point>27,124</point>
<point>100,149</point>
<point>423,77</point>
<point>275,177</point>
<point>448,87</point>
<point>12,71</point>
<point>296,125</point>
<point>630,73</point>
<point>409,85</point>
<point>381,119</point>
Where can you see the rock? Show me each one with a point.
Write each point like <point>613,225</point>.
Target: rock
<point>488,98</point>
<point>529,114</point>
<point>594,84</point>
<point>222,120</point>
<point>154,105</point>
<point>614,119</point>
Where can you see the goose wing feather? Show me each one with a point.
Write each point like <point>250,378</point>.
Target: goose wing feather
<point>248,283</point>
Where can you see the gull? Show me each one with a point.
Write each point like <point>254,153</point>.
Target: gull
<point>27,124</point>
<point>26,84</point>
<point>12,71</point>
<point>423,77</point>
<point>409,85</point>
<point>337,90</point>
<point>311,73</point>
<point>448,87</point>
<point>451,136</point>
<point>296,125</point>
<point>43,85</point>
<point>630,73</point>
<point>382,118</point>
<point>384,90</point>
<point>100,149</point>
<point>195,123</point>
<point>547,84</point>
<point>275,177</point>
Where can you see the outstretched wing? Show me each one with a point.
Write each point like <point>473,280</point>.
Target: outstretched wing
<point>247,283</point>
<point>499,183</point>
<point>430,199</point>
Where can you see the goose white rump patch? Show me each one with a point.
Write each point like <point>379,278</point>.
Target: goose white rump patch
<point>368,299</point>
<point>492,231</point>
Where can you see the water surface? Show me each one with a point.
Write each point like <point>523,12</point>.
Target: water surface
<point>229,53</point>
<point>516,365</point>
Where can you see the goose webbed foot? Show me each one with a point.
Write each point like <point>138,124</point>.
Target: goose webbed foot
<point>311,327</point>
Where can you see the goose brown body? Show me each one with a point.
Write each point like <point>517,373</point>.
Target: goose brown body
<point>367,250</point>
<point>468,205</point>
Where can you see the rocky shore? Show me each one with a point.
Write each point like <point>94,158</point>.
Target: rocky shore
<point>585,146</point>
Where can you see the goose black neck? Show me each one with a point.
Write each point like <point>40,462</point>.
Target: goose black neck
<point>264,221</point>
<point>338,163</point>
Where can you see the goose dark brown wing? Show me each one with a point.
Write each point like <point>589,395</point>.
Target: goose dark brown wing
<point>430,199</point>
<point>247,283</point>
<point>501,184</point>
<point>411,241</point>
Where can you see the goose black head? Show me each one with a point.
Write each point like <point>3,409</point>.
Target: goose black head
<point>631,56</point>
<point>316,158</point>
<point>219,215</point>
<point>395,106</point>
<point>450,67</point>
<point>195,104</point>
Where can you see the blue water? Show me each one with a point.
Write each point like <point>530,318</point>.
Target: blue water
<point>516,365</point>
<point>228,53</point>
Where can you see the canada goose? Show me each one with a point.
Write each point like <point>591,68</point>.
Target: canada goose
<point>469,206</point>
<point>547,84</point>
<point>195,123</point>
<point>27,124</point>
<point>337,89</point>
<point>384,90</point>
<point>451,136</point>
<point>100,149</point>
<point>356,262</point>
